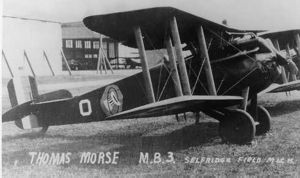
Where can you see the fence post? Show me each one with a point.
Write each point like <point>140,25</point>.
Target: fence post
<point>29,63</point>
<point>8,66</point>
<point>48,62</point>
<point>106,59</point>
<point>66,62</point>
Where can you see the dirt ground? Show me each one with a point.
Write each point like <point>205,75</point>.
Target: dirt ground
<point>193,149</point>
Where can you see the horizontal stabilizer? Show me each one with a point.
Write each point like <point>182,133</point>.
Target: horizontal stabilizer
<point>17,112</point>
<point>177,105</point>
<point>25,109</point>
<point>53,96</point>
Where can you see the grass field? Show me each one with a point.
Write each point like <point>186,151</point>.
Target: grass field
<point>276,153</point>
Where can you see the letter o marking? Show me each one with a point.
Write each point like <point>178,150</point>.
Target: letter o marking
<point>87,110</point>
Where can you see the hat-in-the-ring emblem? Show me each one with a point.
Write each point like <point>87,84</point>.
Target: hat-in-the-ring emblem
<point>111,100</point>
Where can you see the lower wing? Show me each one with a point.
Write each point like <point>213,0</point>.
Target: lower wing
<point>290,86</point>
<point>177,105</point>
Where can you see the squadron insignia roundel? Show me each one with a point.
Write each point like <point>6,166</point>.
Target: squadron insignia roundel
<point>112,100</point>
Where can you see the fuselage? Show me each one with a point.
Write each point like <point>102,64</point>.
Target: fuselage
<point>237,65</point>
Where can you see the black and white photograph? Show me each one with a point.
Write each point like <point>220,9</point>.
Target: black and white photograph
<point>148,88</point>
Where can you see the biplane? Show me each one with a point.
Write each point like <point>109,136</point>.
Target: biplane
<point>221,77</point>
<point>288,43</point>
<point>132,62</point>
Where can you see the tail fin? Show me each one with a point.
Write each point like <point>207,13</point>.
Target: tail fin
<point>20,93</point>
<point>28,105</point>
<point>24,95</point>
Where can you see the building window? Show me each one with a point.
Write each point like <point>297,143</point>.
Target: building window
<point>95,55</point>
<point>78,44</point>
<point>88,56</point>
<point>87,44</point>
<point>69,44</point>
<point>96,44</point>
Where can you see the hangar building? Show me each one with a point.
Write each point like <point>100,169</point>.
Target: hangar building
<point>81,45</point>
<point>34,36</point>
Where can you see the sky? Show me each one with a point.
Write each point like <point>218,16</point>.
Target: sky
<point>242,14</point>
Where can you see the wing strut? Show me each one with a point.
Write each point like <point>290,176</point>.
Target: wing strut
<point>297,39</point>
<point>146,73</point>
<point>207,67</point>
<point>181,63</point>
<point>173,66</point>
<point>283,74</point>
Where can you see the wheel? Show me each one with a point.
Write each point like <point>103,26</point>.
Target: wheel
<point>264,121</point>
<point>237,127</point>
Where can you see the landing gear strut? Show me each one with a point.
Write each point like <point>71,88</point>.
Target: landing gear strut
<point>261,116</point>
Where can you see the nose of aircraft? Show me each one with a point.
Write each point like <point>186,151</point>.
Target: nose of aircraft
<point>282,60</point>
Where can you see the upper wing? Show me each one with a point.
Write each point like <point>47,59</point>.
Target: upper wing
<point>284,37</point>
<point>154,23</point>
<point>290,86</point>
<point>177,105</point>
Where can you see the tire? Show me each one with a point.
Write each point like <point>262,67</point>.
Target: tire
<point>237,127</point>
<point>264,121</point>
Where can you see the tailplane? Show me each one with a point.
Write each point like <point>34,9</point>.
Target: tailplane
<point>23,95</point>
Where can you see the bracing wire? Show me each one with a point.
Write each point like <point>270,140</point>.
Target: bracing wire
<point>141,85</point>
<point>164,86</point>
<point>159,81</point>
<point>230,88</point>
<point>239,81</point>
<point>200,82</point>
<point>161,54</point>
<point>229,43</point>
<point>221,83</point>
<point>198,76</point>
